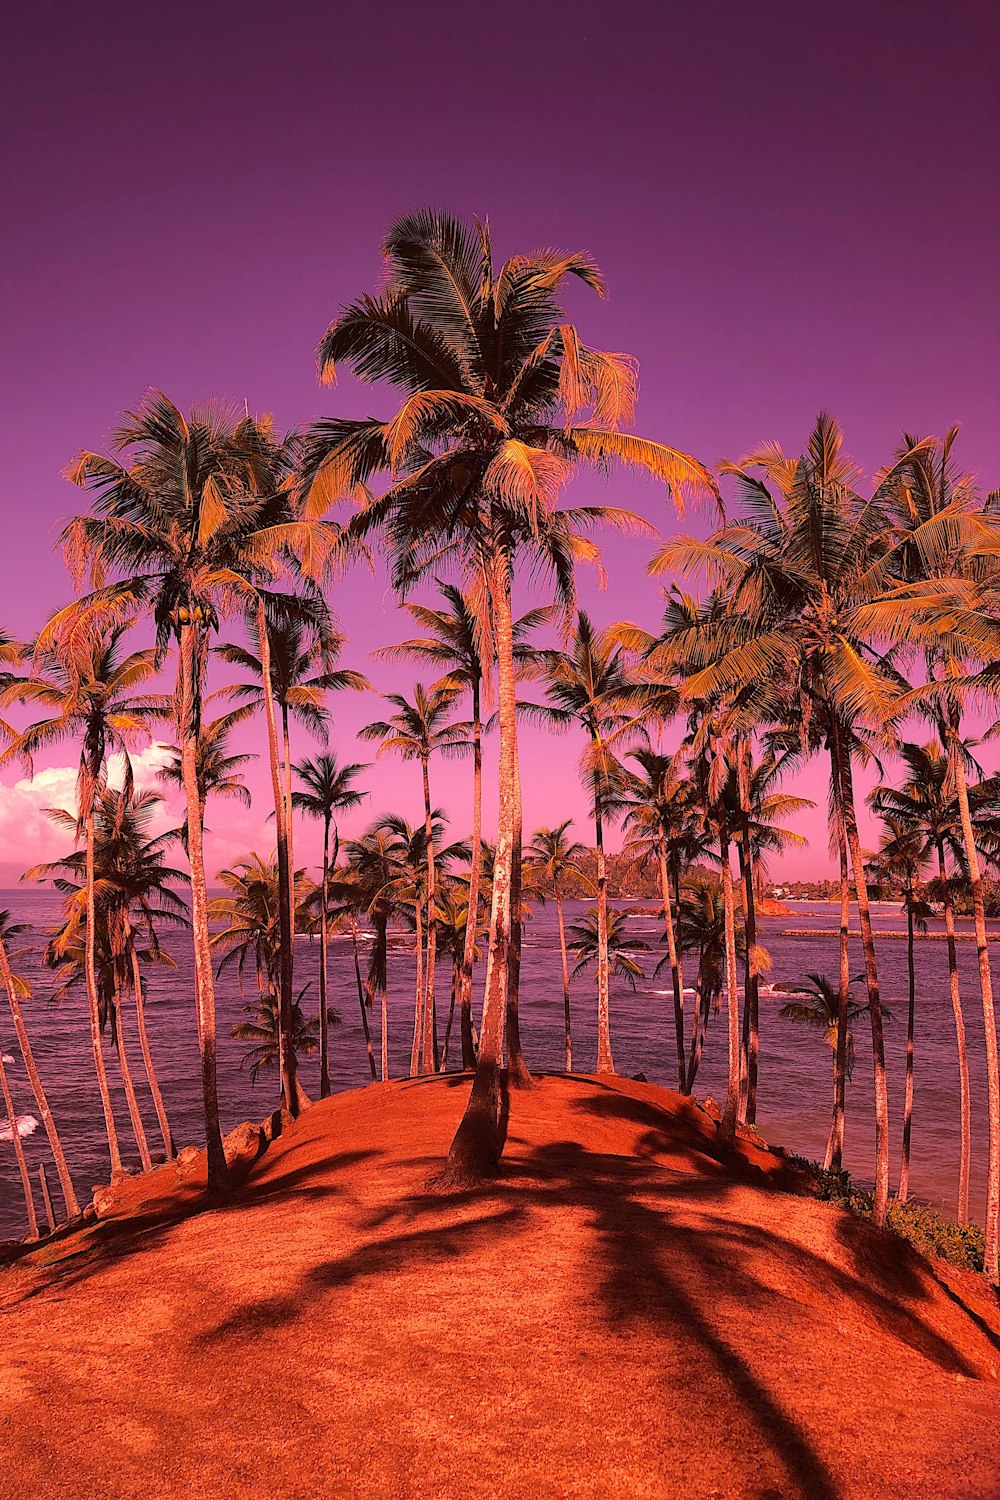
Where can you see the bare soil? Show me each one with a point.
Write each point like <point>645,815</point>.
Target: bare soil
<point>629,1311</point>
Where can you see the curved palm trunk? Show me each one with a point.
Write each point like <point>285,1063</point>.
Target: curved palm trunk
<point>475,1151</point>
<point>35,1083</point>
<point>138,1129</point>
<point>475,876</point>
<point>702,1001</point>
<point>605,1058</point>
<point>147,1056</point>
<point>965,1097</point>
<point>517,1069</point>
<point>911,1001</point>
<point>191,664</point>
<point>361,1001</point>
<point>431,1052</point>
<point>93,1004</point>
<point>751,997</point>
<point>416,1047</point>
<point>16,1142</point>
<point>730,1115</point>
<point>676,971</point>
<point>565,978</point>
<point>286,1052</point>
<point>848,816</point>
<point>991,1254</point>
<point>324,1006</point>
<point>834,1159</point>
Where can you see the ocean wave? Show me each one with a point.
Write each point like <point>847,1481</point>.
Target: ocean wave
<point>26,1125</point>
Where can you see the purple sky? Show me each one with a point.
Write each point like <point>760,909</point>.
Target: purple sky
<point>795,209</point>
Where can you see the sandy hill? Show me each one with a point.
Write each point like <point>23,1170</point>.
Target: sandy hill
<point>628,1313</point>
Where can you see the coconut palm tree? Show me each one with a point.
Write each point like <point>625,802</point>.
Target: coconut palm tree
<point>19,1157</point>
<point>418,729</point>
<point>588,941</point>
<point>702,929</point>
<point>16,990</point>
<point>500,401</point>
<point>376,864</point>
<point>88,684</point>
<point>218,771</point>
<point>326,789</point>
<point>819,1006</point>
<point>261,1030</point>
<point>191,518</point>
<point>553,857</point>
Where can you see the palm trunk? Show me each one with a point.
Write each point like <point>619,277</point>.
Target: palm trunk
<point>286,1052</point>
<point>361,1002</point>
<point>418,1000</point>
<point>751,988</point>
<point>605,1059</point>
<point>35,1082</point>
<point>475,876</point>
<point>475,1151</point>
<point>382,945</point>
<point>93,1004</point>
<point>517,1069</point>
<point>456,979</point>
<point>190,726</point>
<point>138,1129</point>
<point>676,971</point>
<point>965,1097</point>
<point>730,1115</point>
<point>701,1003</point>
<point>16,1142</point>
<point>431,1054</point>
<point>904,1161</point>
<point>835,1145</point>
<point>147,1056</point>
<point>565,980</point>
<point>850,822</point>
<point>991,1254</point>
<point>324,1006</point>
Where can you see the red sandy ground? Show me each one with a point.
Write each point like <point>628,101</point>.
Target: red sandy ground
<point>626,1313</point>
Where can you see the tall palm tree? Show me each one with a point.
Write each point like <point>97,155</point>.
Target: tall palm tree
<point>325,789</point>
<point>703,929</point>
<point>588,684</point>
<point>261,1030</point>
<point>501,400</point>
<point>378,874</point>
<point>588,941</point>
<point>418,729</point>
<point>88,684</point>
<point>15,1136</point>
<point>191,517</point>
<point>15,990</point>
<point>553,857</point>
<point>219,771</point>
<point>819,1005</point>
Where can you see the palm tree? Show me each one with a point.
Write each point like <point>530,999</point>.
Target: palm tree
<point>552,857</point>
<point>88,685</point>
<point>702,928</point>
<point>219,772</point>
<point>417,730</point>
<point>261,1030</point>
<point>378,876</point>
<point>791,582</point>
<point>15,990</point>
<point>588,684</point>
<point>325,789</point>
<point>500,401</point>
<point>588,941</point>
<point>15,1136</point>
<point>819,1005</point>
<point>192,516</point>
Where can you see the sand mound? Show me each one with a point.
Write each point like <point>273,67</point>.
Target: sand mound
<point>628,1313</point>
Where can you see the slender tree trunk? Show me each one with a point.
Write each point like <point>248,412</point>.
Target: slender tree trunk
<point>965,1096</point>
<point>702,1000</point>
<point>147,1056</point>
<point>17,1143</point>
<point>204,983</point>
<point>432,1055</point>
<point>904,1161</point>
<point>476,1148</point>
<point>850,821</point>
<point>676,970</point>
<point>43,1183</point>
<point>605,1059</point>
<point>475,877</point>
<point>456,979</point>
<point>565,978</point>
<point>517,1069</point>
<point>361,1002</point>
<point>730,1115</point>
<point>324,981</point>
<point>138,1129</point>
<point>93,1003</point>
<point>416,1048</point>
<point>991,1256</point>
<point>751,997</point>
<point>35,1083</point>
<point>286,919</point>
<point>835,1145</point>
<point>381,938</point>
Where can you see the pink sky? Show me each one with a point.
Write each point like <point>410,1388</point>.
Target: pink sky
<point>793,212</point>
